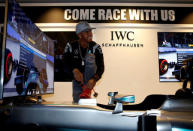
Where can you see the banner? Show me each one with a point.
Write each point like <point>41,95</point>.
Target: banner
<point>110,14</point>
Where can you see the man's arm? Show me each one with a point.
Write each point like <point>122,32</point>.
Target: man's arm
<point>78,76</point>
<point>100,63</point>
<point>72,63</point>
<point>100,68</point>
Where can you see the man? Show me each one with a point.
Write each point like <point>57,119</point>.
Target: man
<point>86,59</point>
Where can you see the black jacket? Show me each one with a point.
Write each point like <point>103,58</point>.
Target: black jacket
<point>74,55</point>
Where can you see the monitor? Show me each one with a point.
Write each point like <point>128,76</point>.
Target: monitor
<point>29,56</point>
<point>173,49</point>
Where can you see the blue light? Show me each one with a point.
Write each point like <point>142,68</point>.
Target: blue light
<point>167,49</point>
<point>181,129</point>
<point>12,32</point>
<point>32,51</point>
<point>128,99</point>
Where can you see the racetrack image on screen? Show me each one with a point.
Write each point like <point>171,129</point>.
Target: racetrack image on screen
<point>173,49</point>
<point>29,56</point>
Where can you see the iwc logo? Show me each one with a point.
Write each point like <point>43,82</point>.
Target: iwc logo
<point>122,35</point>
<point>123,39</point>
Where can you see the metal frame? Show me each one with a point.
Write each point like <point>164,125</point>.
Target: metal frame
<point>3,50</point>
<point>106,1</point>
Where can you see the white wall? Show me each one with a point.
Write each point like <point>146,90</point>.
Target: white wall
<point>62,93</point>
<point>127,70</point>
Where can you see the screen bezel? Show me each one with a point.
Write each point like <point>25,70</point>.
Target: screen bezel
<point>4,27</point>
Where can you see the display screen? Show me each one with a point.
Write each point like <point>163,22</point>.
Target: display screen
<point>29,56</point>
<point>174,48</point>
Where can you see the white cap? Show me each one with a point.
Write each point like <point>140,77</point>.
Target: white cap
<point>83,26</point>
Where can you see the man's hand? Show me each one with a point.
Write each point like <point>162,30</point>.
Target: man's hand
<point>91,83</point>
<point>78,76</point>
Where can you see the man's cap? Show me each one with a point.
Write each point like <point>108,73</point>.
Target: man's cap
<point>83,26</point>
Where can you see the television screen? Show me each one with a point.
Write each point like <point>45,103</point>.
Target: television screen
<point>29,56</point>
<point>173,48</point>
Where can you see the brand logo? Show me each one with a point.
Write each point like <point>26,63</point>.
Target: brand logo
<point>122,35</point>
<point>123,39</point>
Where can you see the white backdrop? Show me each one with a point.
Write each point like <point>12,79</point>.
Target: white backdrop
<point>128,70</point>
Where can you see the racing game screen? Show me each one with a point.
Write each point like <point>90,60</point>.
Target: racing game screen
<point>29,56</point>
<point>174,48</point>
